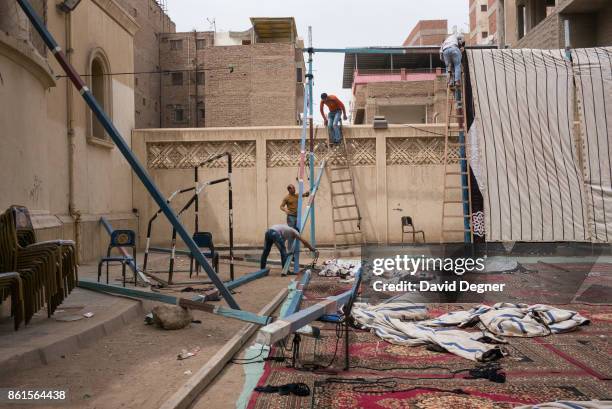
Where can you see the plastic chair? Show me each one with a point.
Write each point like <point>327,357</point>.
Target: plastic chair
<point>119,238</point>
<point>407,224</point>
<point>204,240</point>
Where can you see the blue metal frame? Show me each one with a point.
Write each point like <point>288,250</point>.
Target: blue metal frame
<point>123,147</point>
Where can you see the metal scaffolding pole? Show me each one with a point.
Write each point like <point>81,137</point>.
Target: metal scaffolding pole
<point>310,77</point>
<point>123,147</point>
<point>296,243</point>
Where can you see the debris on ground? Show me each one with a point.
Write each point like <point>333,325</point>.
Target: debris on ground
<point>340,268</point>
<point>171,317</point>
<point>185,354</point>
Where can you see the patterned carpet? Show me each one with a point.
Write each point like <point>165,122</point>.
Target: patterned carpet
<point>573,366</point>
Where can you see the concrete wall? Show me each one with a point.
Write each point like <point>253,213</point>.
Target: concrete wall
<point>35,142</point>
<point>398,171</point>
<point>381,97</point>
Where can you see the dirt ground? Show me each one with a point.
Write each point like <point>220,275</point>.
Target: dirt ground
<point>137,366</point>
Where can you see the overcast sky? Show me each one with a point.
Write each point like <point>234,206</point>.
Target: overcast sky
<point>334,24</point>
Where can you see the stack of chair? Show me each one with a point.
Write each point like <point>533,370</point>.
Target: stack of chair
<point>11,285</point>
<point>48,269</point>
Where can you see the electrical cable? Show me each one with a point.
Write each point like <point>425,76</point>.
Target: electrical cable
<point>384,385</point>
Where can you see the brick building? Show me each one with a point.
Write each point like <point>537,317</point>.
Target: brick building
<point>249,78</point>
<point>427,32</point>
<point>404,88</point>
<point>541,23</point>
<point>483,22</point>
<point>153,20</point>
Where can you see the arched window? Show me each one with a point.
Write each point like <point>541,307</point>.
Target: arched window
<point>100,84</point>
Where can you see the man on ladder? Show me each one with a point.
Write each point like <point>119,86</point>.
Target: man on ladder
<point>450,53</point>
<point>332,121</point>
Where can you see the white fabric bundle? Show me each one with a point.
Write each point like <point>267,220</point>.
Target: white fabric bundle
<point>592,404</point>
<point>385,320</point>
<point>514,320</point>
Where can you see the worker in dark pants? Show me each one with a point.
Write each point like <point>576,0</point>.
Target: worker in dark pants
<point>332,121</point>
<point>289,207</point>
<point>278,235</point>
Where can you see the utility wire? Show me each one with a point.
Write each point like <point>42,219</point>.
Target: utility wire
<point>230,68</point>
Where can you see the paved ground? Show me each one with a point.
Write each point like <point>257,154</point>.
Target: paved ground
<point>134,366</point>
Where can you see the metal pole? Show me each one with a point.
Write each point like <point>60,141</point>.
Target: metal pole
<point>123,147</point>
<point>310,76</point>
<point>230,214</point>
<point>296,243</point>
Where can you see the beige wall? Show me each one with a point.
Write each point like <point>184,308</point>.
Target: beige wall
<point>400,172</point>
<point>34,143</point>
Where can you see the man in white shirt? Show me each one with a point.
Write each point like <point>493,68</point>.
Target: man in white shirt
<point>450,53</point>
<point>278,235</point>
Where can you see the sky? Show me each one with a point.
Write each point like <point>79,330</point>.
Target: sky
<point>335,24</point>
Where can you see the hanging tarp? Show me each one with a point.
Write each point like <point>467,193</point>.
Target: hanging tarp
<point>593,73</point>
<point>524,115</point>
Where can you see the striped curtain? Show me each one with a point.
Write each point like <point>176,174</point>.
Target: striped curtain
<point>593,73</point>
<point>528,166</point>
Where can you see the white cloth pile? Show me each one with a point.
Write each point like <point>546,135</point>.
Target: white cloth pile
<point>591,404</point>
<point>514,320</point>
<point>391,323</point>
<point>386,321</point>
<point>340,268</point>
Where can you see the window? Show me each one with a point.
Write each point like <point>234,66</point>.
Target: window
<point>200,78</point>
<point>200,44</point>
<point>136,81</point>
<point>177,78</point>
<point>298,74</point>
<point>522,20</point>
<point>144,102</point>
<point>202,113</point>
<point>100,86</point>
<point>483,7</point>
<point>176,45</point>
<point>485,34</point>
<point>179,114</point>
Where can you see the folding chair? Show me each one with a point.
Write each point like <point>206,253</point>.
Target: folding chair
<point>407,224</point>
<point>204,240</point>
<point>119,238</point>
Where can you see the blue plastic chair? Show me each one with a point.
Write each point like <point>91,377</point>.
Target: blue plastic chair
<point>119,238</point>
<point>204,240</point>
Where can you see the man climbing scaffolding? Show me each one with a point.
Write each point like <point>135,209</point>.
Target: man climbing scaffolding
<point>278,235</point>
<point>332,121</point>
<point>450,53</point>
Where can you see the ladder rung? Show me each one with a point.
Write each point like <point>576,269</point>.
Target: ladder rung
<point>457,187</point>
<point>344,206</point>
<point>342,194</point>
<point>454,201</point>
<point>457,231</point>
<point>347,219</point>
<point>456,173</point>
<point>341,180</point>
<point>456,216</point>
